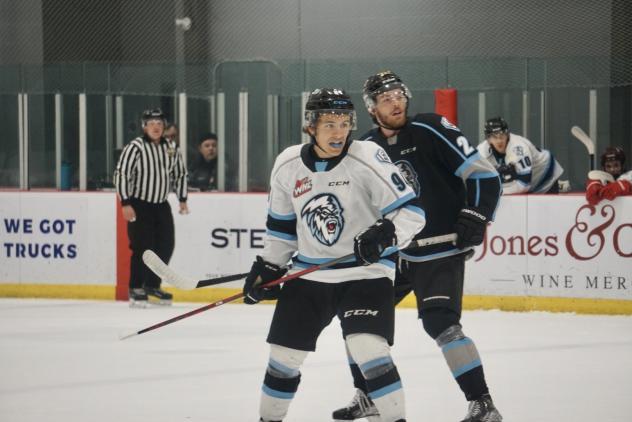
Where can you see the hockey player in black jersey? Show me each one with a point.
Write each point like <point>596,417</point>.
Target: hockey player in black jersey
<point>459,191</point>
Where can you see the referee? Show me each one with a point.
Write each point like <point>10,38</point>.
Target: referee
<point>145,172</point>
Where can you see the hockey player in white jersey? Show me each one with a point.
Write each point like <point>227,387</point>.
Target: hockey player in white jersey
<point>328,198</point>
<point>523,167</point>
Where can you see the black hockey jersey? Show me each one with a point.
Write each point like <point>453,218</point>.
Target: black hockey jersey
<point>446,173</point>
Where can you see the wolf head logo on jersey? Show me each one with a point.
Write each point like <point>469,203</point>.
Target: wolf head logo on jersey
<point>323,216</point>
<point>410,175</point>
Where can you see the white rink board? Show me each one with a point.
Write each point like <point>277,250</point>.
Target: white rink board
<point>536,247</point>
<point>57,238</point>
<point>537,238</point>
<point>222,235</point>
<point>543,245</point>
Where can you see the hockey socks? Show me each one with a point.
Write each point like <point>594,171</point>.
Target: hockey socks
<point>464,361</point>
<point>358,378</point>
<point>384,387</point>
<point>280,382</point>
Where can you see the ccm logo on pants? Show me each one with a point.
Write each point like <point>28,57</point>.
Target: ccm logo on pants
<point>357,312</point>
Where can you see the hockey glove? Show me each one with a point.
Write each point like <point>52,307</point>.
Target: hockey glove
<point>594,189</point>
<point>507,173</point>
<point>469,228</point>
<point>369,244</point>
<point>262,272</point>
<point>618,188</point>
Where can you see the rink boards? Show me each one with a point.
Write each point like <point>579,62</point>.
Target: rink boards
<point>542,252</point>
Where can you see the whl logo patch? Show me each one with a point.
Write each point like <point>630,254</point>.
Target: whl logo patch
<point>302,186</point>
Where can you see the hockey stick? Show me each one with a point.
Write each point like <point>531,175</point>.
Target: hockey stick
<point>161,269</point>
<point>588,143</point>
<point>240,295</point>
<point>415,244</point>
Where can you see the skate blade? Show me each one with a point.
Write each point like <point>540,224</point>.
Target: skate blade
<point>139,304</point>
<point>368,418</point>
<point>159,302</point>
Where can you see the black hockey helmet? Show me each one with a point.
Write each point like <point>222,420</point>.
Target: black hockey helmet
<point>613,154</point>
<point>327,101</point>
<point>496,125</point>
<point>153,114</point>
<point>382,82</point>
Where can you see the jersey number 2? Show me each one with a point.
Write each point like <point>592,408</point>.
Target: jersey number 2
<point>465,146</point>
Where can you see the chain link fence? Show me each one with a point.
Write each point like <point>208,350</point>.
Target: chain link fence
<point>558,53</point>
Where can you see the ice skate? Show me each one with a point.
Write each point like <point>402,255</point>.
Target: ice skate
<point>361,406</point>
<point>137,298</point>
<point>482,410</point>
<point>159,297</point>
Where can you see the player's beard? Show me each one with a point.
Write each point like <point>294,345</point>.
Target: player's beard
<point>390,121</point>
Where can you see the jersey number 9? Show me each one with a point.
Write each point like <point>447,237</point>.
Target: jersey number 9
<point>397,180</point>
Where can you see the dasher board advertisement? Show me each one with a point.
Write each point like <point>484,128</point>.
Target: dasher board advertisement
<point>556,246</point>
<point>57,238</point>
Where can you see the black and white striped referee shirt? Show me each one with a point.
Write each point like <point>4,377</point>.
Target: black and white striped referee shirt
<point>147,170</point>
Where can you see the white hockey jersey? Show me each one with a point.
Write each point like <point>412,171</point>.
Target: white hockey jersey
<point>316,208</point>
<point>536,170</point>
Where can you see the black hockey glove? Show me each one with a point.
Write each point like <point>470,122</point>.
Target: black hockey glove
<point>369,244</point>
<point>507,173</point>
<point>469,228</point>
<point>262,272</point>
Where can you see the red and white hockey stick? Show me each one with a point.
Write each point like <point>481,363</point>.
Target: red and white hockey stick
<point>588,143</point>
<point>415,244</point>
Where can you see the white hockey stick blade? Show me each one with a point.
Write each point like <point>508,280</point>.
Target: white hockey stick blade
<point>602,176</point>
<point>584,139</point>
<point>161,269</point>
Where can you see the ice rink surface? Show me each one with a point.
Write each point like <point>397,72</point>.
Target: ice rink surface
<point>62,361</point>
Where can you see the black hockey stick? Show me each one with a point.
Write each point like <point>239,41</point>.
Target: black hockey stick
<point>415,244</point>
<point>161,269</point>
<point>588,143</point>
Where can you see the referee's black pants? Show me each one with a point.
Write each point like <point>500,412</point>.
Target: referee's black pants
<point>153,229</point>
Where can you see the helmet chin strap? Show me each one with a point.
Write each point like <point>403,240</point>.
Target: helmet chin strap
<point>318,146</point>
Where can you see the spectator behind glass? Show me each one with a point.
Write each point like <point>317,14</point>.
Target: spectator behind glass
<point>203,174</point>
<point>612,180</point>
<point>171,134</point>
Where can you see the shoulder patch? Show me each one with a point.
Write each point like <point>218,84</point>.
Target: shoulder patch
<point>447,124</point>
<point>518,150</point>
<point>382,156</point>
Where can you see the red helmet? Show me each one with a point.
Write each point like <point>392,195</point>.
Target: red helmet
<point>613,154</point>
